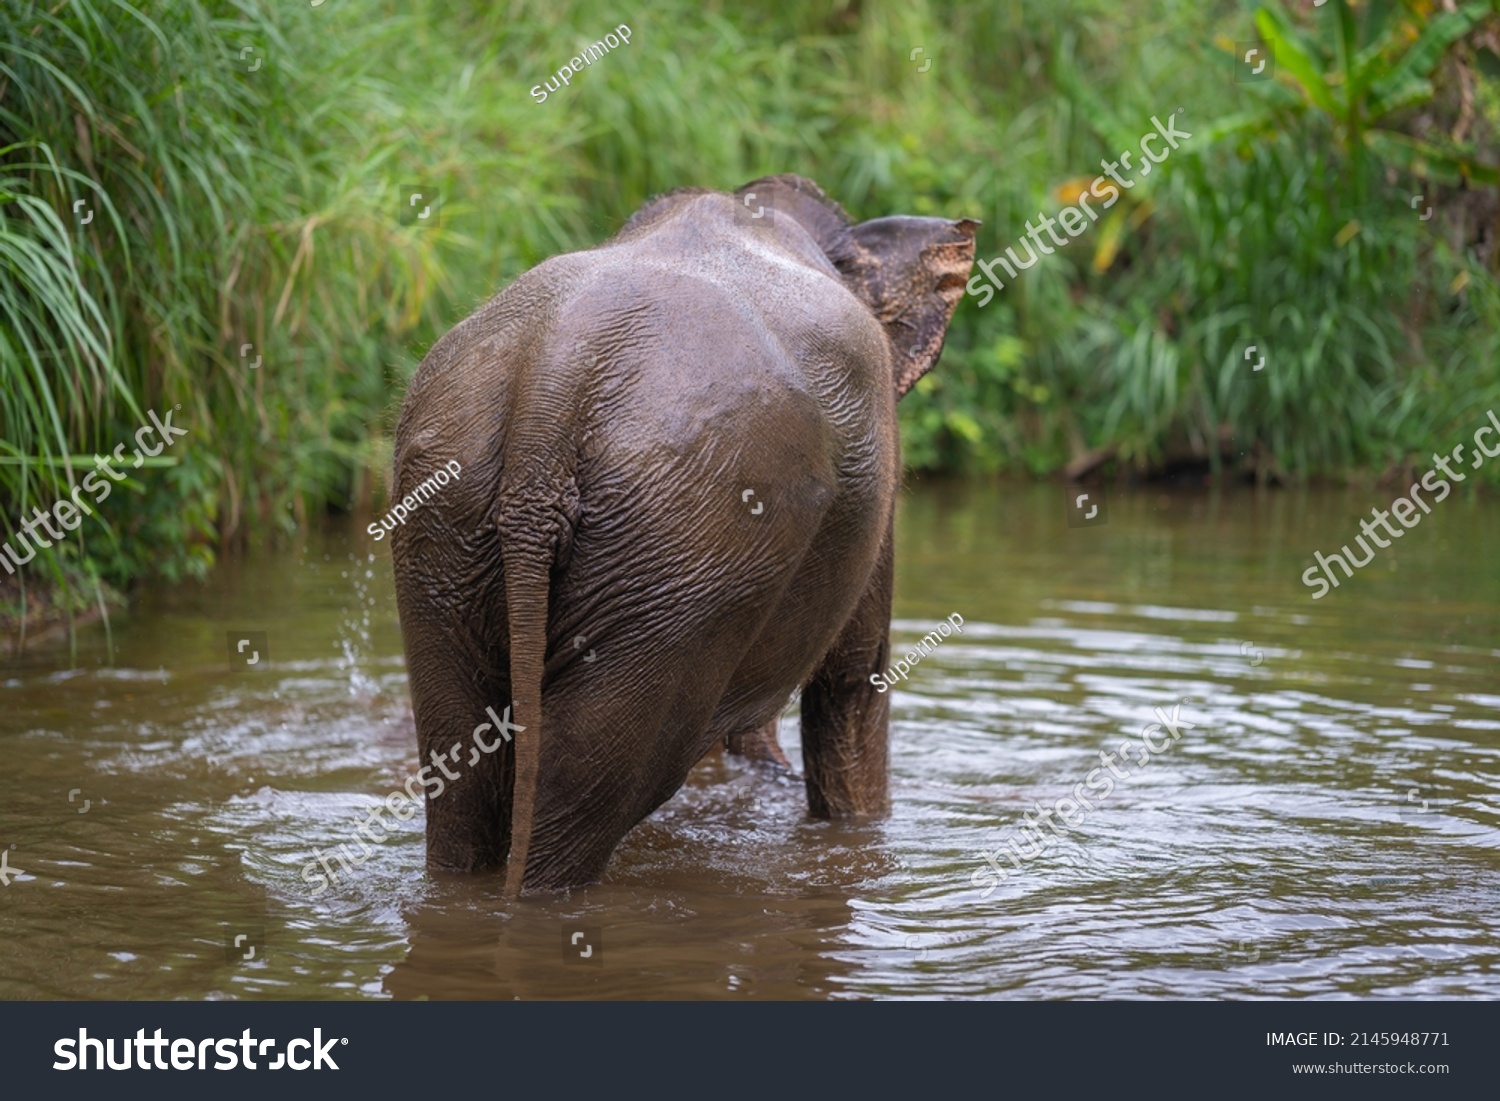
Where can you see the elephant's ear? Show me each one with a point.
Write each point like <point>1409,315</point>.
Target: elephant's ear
<point>912,272</point>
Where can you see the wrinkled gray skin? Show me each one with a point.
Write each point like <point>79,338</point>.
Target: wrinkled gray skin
<point>679,458</point>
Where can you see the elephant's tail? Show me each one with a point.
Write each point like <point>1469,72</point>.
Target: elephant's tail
<point>527,574</point>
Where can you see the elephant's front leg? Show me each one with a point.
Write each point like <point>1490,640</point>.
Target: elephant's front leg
<point>845,720</point>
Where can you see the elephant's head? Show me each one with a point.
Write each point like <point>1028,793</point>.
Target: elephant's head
<point>910,271</point>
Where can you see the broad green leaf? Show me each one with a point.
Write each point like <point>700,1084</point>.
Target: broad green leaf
<point>1393,96</point>
<point>1406,83</point>
<point>1295,60</point>
<point>1232,125</point>
<point>1348,46</point>
<point>965,426</point>
<point>1374,62</point>
<point>1429,161</point>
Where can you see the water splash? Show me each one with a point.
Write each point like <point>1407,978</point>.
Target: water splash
<point>354,628</point>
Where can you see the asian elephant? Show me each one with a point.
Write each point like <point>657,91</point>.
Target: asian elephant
<point>679,459</point>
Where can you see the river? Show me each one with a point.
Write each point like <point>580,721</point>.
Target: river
<point>1325,823</point>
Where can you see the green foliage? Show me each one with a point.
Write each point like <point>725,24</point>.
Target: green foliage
<point>239,204</point>
<point>244,169</point>
<point>1287,225</point>
<point>1366,66</point>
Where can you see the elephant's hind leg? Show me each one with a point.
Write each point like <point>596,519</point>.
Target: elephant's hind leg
<point>845,719</point>
<point>465,762</point>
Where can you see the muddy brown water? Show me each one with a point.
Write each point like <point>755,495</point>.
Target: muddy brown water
<point>1328,826</point>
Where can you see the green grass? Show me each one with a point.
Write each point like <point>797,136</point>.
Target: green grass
<point>234,207</point>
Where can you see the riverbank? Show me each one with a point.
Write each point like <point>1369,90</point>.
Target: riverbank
<point>43,612</point>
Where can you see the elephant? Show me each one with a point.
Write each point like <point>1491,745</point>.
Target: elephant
<point>680,459</point>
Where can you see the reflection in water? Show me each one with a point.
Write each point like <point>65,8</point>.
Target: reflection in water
<point>1324,824</point>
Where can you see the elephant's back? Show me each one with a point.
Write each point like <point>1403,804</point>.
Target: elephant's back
<point>718,334</point>
<point>736,472</point>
